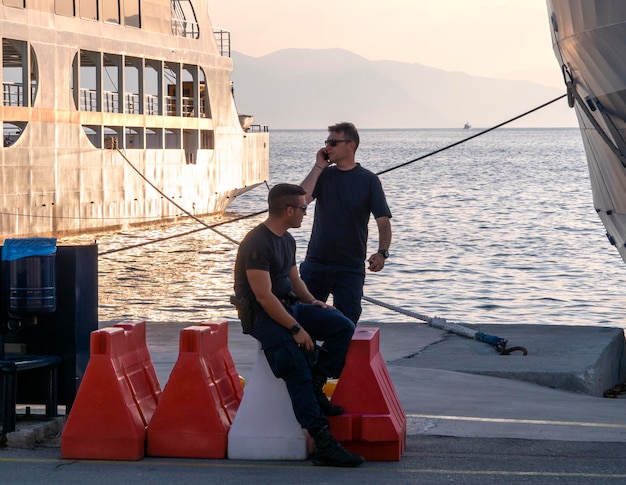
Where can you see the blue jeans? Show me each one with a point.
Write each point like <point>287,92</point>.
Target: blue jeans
<point>345,283</point>
<point>295,366</point>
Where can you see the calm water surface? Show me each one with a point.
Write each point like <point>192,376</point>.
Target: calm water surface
<point>500,229</point>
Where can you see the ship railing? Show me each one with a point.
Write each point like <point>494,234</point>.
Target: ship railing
<point>88,100</point>
<point>181,11</point>
<point>222,37</point>
<point>132,103</point>
<point>12,94</point>
<point>170,105</point>
<point>152,104</point>
<point>186,106</point>
<point>258,129</point>
<point>110,102</point>
<point>185,28</point>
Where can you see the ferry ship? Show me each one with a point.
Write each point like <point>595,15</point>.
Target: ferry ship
<point>589,40</point>
<point>118,113</point>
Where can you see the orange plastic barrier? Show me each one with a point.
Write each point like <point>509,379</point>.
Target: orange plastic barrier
<point>196,410</point>
<point>223,368</point>
<point>105,421</point>
<point>139,369</point>
<point>374,422</point>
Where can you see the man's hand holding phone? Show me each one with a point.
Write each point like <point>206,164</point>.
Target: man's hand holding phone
<point>322,160</point>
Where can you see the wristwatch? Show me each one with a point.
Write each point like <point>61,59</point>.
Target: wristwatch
<point>384,253</point>
<point>295,329</point>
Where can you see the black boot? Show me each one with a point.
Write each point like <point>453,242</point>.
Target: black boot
<point>318,388</point>
<point>330,453</point>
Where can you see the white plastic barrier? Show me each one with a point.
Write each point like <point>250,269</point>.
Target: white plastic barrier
<point>265,427</point>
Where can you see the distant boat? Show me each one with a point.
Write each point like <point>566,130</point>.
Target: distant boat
<point>110,114</point>
<point>467,126</point>
<point>588,39</point>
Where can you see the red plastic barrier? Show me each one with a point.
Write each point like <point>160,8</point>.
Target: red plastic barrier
<point>223,368</point>
<point>191,420</point>
<point>139,369</point>
<point>374,422</point>
<point>105,422</point>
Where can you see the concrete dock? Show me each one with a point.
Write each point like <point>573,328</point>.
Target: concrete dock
<point>456,387</point>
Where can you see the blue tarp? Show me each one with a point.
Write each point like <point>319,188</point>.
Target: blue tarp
<point>22,248</point>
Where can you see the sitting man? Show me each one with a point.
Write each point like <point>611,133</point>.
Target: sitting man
<point>287,320</point>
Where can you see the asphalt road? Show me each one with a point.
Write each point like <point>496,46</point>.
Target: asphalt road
<point>426,459</point>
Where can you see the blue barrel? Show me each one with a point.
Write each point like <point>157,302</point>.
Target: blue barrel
<point>32,277</point>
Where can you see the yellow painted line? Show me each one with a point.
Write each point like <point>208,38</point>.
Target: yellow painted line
<point>509,473</point>
<point>368,467</point>
<point>518,421</point>
<point>148,461</point>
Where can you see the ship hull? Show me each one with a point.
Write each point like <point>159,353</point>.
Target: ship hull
<point>71,167</point>
<point>589,40</point>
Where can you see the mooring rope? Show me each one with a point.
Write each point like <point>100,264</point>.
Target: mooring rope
<point>197,219</point>
<point>473,136</point>
<point>175,236</point>
<point>211,226</point>
<point>443,324</point>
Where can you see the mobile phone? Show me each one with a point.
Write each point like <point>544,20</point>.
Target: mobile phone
<point>326,157</point>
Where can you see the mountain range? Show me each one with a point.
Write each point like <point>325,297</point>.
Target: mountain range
<point>310,89</point>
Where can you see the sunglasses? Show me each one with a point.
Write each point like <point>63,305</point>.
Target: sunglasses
<point>301,207</point>
<point>333,142</point>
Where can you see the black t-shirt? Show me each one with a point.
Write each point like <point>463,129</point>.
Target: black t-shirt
<point>344,202</point>
<point>264,250</point>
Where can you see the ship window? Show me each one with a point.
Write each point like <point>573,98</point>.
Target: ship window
<point>13,3</point>
<point>172,138</point>
<point>170,74</point>
<point>207,140</point>
<point>19,76</point>
<point>152,76</point>
<point>184,21</point>
<point>34,76</point>
<point>89,9</point>
<point>112,136</point>
<point>154,138</point>
<point>111,94</point>
<point>111,11</point>
<point>11,131</point>
<point>94,134</point>
<point>64,7</point>
<point>188,98</point>
<point>133,138</point>
<point>190,145</point>
<point>132,12</point>
<point>90,63</point>
<point>132,66</point>
<point>205,105</point>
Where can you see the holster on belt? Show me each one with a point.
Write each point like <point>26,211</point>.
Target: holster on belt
<point>245,311</point>
<point>288,300</point>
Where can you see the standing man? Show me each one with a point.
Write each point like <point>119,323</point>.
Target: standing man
<point>288,320</point>
<point>346,194</point>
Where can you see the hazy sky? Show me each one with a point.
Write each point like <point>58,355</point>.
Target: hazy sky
<point>495,38</point>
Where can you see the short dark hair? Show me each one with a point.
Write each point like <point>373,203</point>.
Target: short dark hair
<point>282,194</point>
<point>349,131</point>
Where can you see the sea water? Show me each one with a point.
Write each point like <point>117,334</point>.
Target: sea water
<point>498,229</point>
